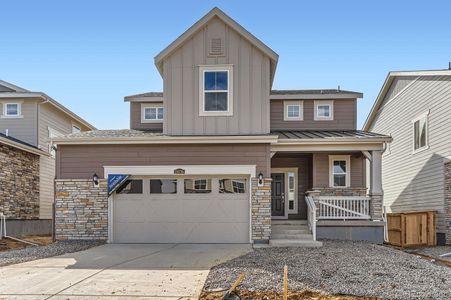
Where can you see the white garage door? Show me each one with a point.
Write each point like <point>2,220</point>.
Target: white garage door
<point>182,210</point>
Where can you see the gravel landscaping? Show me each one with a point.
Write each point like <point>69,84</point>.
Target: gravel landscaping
<point>339,267</point>
<point>32,253</point>
<point>433,252</point>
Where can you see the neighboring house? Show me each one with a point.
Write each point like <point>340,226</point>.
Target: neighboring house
<point>28,120</point>
<point>220,157</point>
<point>414,108</point>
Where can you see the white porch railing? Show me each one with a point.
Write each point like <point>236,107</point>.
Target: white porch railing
<point>343,207</point>
<point>311,215</point>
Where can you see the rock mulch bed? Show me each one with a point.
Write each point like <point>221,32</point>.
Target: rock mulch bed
<point>339,267</point>
<point>16,256</point>
<point>434,252</point>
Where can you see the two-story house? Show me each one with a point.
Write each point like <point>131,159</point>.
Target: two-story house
<point>28,120</point>
<point>414,108</point>
<point>220,157</point>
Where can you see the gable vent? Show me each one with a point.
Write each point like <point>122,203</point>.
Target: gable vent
<point>216,47</point>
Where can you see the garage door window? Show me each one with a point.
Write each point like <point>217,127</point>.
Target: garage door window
<point>134,186</point>
<point>196,186</point>
<point>232,186</point>
<point>163,186</point>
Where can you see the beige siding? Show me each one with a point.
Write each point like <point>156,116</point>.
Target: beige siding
<point>251,86</point>
<point>46,187</point>
<point>321,169</point>
<point>82,161</point>
<point>345,116</point>
<point>22,128</point>
<point>415,181</point>
<point>135,119</point>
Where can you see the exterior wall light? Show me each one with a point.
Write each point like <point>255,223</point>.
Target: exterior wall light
<point>260,179</point>
<point>95,179</point>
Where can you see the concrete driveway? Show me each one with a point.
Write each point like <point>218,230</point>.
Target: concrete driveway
<point>150,271</point>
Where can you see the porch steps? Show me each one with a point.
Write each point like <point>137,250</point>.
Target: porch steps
<point>292,233</point>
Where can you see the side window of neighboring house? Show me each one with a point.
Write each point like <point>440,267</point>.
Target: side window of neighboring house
<point>75,129</point>
<point>216,91</point>
<point>151,113</point>
<point>339,171</point>
<point>323,110</point>
<point>420,132</point>
<point>12,110</point>
<point>293,111</point>
<point>53,134</point>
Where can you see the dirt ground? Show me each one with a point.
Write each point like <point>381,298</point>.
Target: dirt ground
<point>269,295</point>
<point>8,244</point>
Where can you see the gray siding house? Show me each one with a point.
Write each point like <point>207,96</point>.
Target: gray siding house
<point>28,121</point>
<point>221,157</point>
<point>414,108</point>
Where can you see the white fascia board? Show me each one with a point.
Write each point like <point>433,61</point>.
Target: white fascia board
<point>315,96</point>
<point>168,170</point>
<point>327,147</point>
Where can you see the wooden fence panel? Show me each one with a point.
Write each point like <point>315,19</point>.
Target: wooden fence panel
<point>411,229</point>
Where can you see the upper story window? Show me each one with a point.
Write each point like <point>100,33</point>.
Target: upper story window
<point>339,171</point>
<point>216,91</point>
<point>12,110</point>
<point>75,129</point>
<point>420,132</point>
<point>324,110</point>
<point>293,110</point>
<point>152,113</point>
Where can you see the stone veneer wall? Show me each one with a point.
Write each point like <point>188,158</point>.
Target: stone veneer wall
<point>448,202</point>
<point>81,210</point>
<point>261,211</point>
<point>19,183</point>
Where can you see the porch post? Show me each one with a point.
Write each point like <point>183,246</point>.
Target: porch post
<point>376,193</point>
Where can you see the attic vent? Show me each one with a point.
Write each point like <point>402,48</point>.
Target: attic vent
<point>216,47</point>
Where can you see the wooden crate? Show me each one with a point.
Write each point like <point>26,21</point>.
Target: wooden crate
<point>412,229</point>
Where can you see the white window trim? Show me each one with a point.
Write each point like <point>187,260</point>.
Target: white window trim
<point>426,116</point>
<point>293,103</point>
<point>333,158</point>
<point>216,68</point>
<point>151,105</point>
<point>331,109</point>
<point>19,110</point>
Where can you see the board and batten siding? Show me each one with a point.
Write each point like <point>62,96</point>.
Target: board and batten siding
<point>82,161</point>
<point>135,118</point>
<point>345,116</point>
<point>321,171</point>
<point>251,85</point>
<point>415,181</point>
<point>23,128</point>
<point>50,117</point>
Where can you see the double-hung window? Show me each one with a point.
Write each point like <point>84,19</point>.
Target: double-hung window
<point>293,111</point>
<point>152,113</point>
<point>420,132</point>
<point>339,168</point>
<point>324,110</point>
<point>216,91</point>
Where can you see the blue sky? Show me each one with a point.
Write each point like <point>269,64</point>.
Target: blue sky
<point>90,54</point>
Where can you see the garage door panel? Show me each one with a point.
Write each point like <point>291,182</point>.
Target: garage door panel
<point>181,218</point>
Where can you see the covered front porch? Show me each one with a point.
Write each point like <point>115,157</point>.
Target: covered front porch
<point>328,182</point>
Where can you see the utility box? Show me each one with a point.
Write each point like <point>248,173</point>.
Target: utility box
<point>412,229</point>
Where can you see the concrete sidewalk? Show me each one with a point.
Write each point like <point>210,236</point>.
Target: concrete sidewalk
<point>150,271</point>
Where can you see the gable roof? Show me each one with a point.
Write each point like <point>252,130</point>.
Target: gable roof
<point>216,12</point>
<point>387,84</point>
<point>18,92</point>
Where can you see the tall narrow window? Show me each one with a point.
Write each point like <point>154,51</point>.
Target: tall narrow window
<point>339,166</point>
<point>420,133</point>
<point>216,91</point>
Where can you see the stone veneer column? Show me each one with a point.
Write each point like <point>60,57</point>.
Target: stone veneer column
<point>448,202</point>
<point>376,193</point>
<point>81,210</point>
<point>261,211</point>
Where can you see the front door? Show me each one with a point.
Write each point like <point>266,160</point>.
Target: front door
<point>278,195</point>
